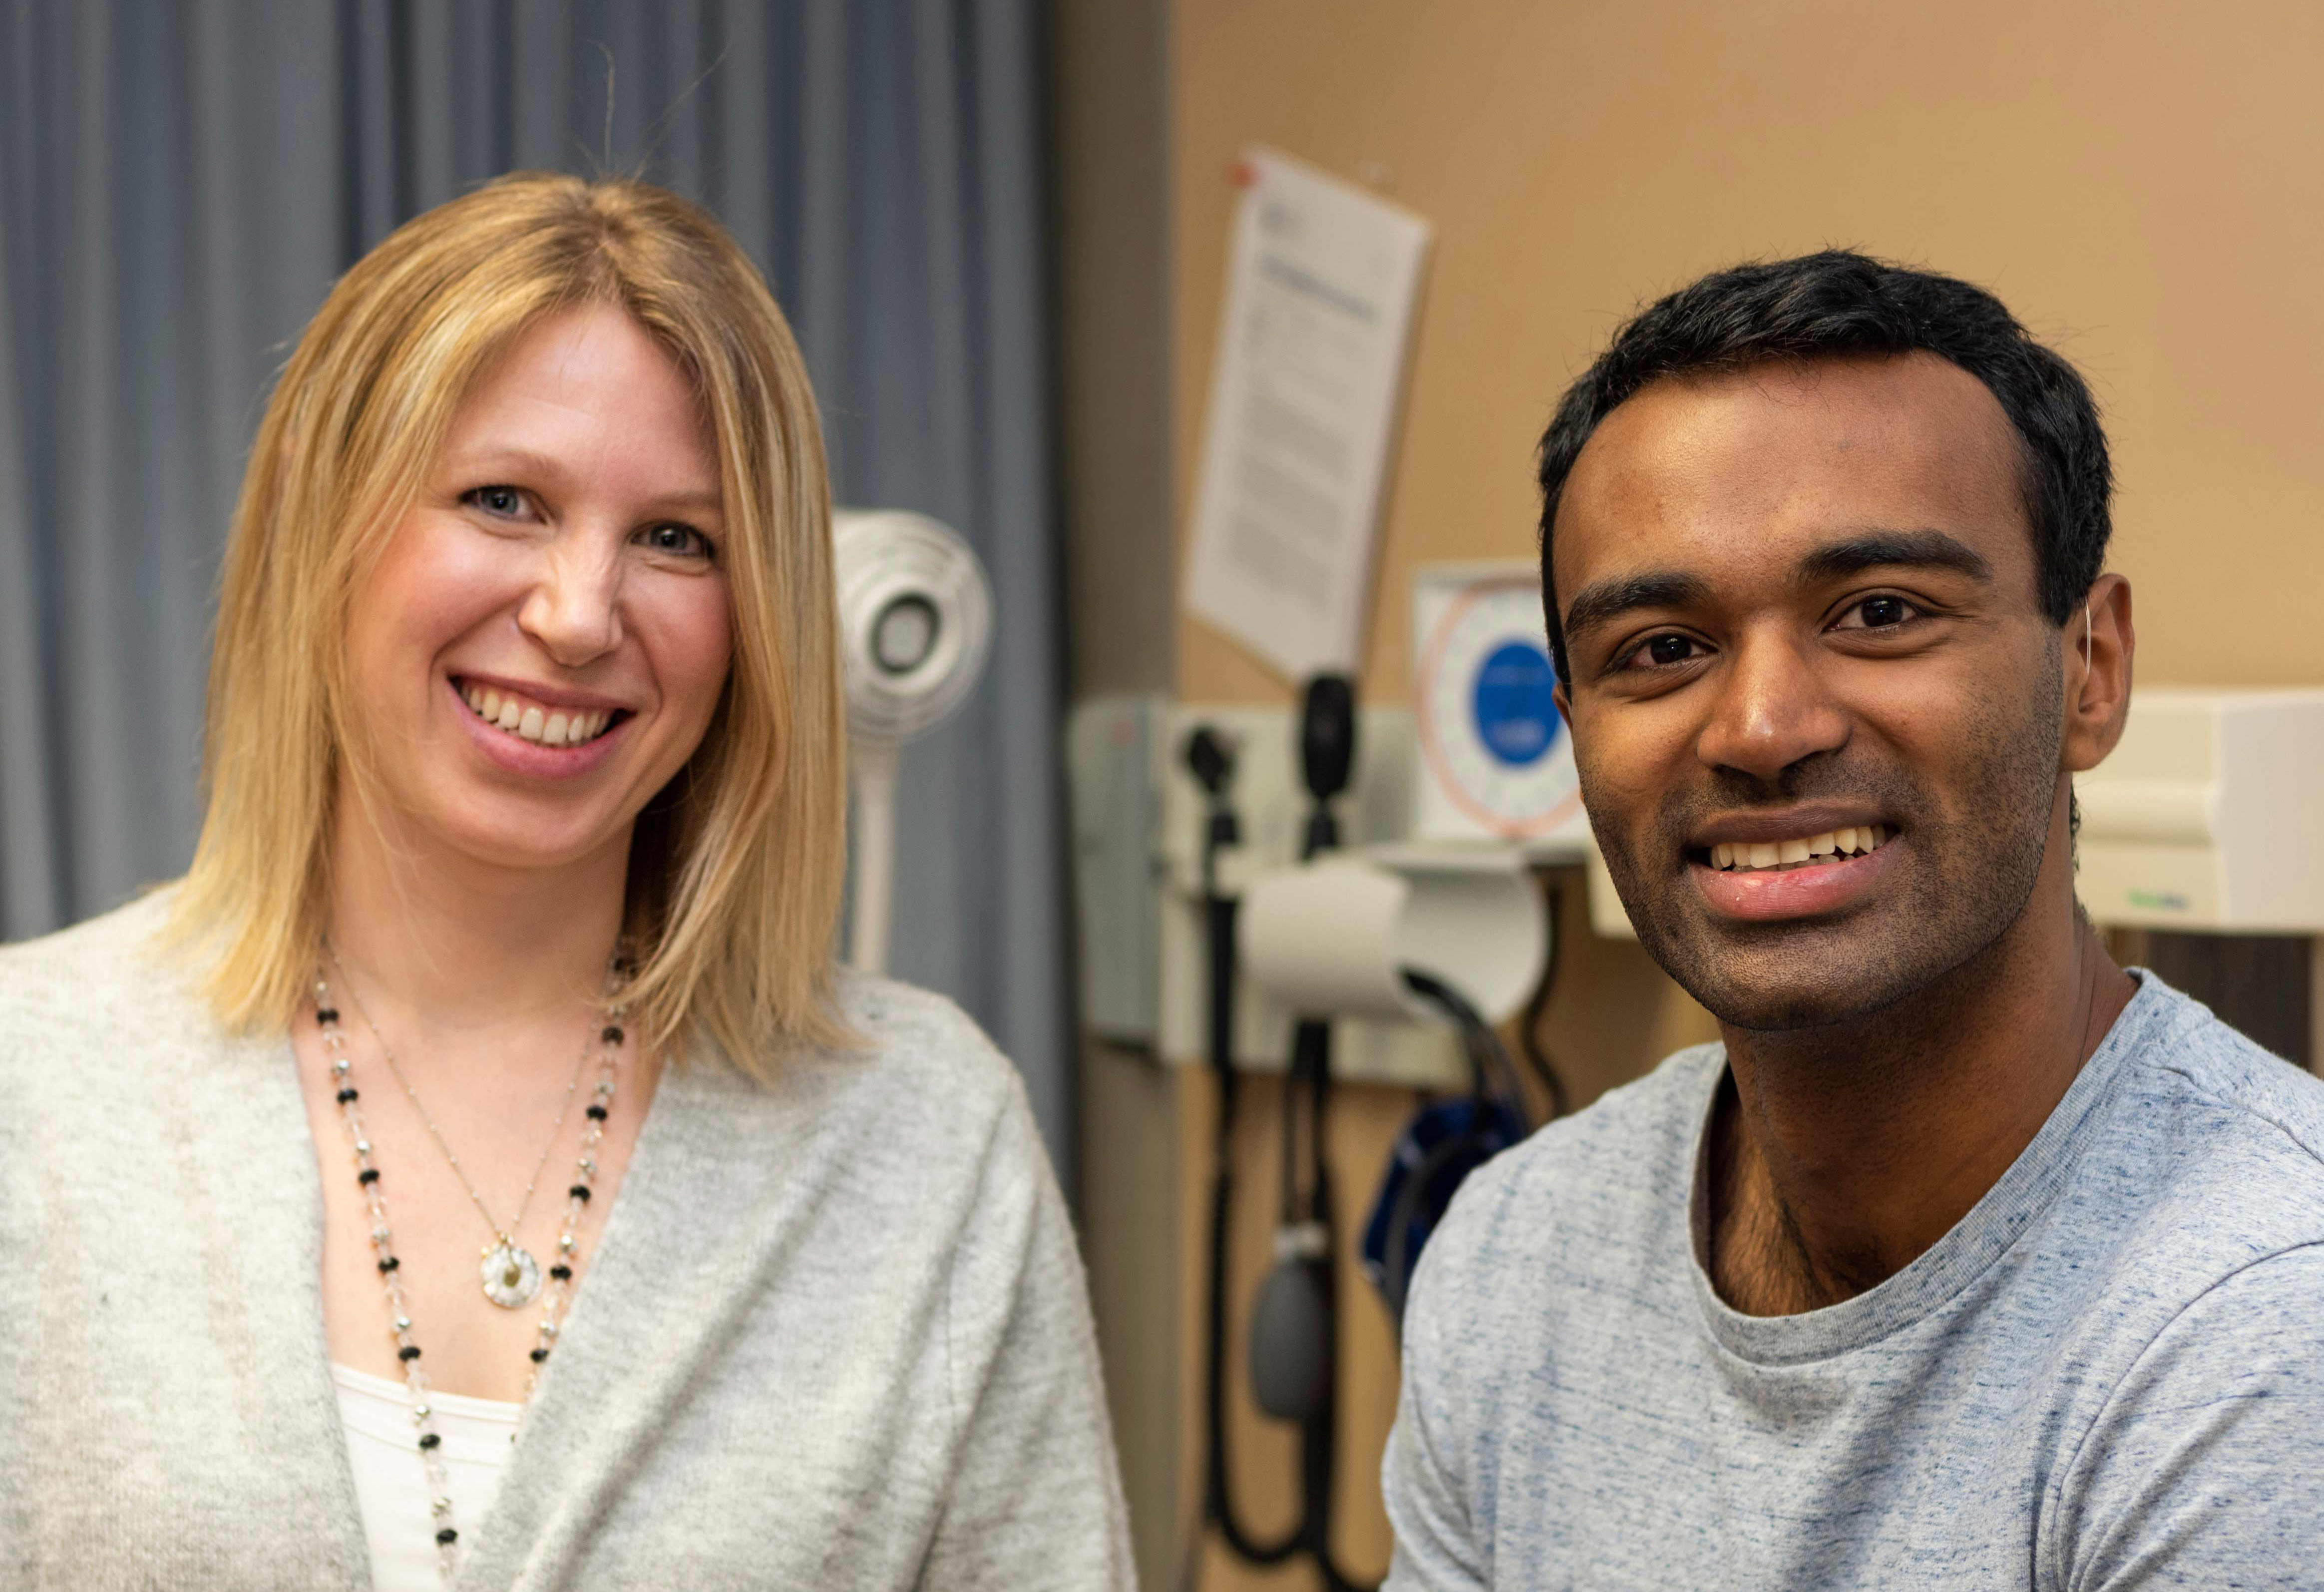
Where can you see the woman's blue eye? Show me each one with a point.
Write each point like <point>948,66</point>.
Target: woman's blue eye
<point>677,538</point>
<point>505,501</point>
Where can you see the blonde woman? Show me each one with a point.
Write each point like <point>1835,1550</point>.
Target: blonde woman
<point>475,1168</point>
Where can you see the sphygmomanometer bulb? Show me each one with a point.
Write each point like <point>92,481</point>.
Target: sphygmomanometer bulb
<point>1291,1327</point>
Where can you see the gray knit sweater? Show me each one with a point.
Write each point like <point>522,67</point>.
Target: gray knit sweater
<point>834,1335</point>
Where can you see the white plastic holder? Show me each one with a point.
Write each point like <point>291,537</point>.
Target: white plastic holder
<point>1331,938</point>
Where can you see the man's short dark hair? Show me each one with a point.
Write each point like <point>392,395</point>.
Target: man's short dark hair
<point>1837,305</point>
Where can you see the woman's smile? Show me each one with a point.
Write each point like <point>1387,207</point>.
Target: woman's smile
<point>528,716</point>
<point>515,735</point>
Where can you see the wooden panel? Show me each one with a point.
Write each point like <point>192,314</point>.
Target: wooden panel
<point>2258,983</point>
<point>1105,119</point>
<point>1109,308</point>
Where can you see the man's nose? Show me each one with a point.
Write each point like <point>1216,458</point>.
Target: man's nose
<point>1773,711</point>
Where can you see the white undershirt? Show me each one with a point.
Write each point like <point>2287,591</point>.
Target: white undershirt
<point>392,1483</point>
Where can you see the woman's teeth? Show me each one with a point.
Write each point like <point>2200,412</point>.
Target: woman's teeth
<point>530,720</point>
<point>1745,855</point>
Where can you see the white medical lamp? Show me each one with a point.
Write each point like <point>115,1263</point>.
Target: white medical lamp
<point>916,625</point>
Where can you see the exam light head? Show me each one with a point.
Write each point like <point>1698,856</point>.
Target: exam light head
<point>916,620</point>
<point>916,623</point>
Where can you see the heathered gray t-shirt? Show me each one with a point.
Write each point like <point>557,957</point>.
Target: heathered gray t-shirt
<point>2109,1375</point>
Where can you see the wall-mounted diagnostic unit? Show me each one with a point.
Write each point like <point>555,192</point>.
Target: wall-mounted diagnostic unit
<point>2205,816</point>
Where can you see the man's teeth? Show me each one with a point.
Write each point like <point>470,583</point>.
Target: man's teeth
<point>1743,855</point>
<point>530,722</point>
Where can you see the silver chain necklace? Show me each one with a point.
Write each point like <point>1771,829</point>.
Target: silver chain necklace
<point>508,1273</point>
<point>429,1441</point>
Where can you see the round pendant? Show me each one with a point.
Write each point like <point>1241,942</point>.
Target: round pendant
<point>511,1275</point>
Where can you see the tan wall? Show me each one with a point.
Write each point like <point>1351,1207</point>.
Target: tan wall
<point>2143,184</point>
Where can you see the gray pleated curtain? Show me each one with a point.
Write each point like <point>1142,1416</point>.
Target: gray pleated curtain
<point>179,183</point>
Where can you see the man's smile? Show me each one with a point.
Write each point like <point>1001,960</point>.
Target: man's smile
<point>1832,844</point>
<point>1774,875</point>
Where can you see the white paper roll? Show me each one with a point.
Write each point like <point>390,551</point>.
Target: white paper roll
<point>1332,938</point>
<point>1322,938</point>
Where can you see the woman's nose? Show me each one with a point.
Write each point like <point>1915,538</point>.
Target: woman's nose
<point>574,609</point>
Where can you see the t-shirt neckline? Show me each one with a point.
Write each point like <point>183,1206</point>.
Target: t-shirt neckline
<point>2029,1187</point>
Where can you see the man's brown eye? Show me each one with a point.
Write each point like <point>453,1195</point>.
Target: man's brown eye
<point>1670,649</point>
<point>1878,612</point>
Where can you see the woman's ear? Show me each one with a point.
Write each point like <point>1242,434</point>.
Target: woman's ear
<point>2099,641</point>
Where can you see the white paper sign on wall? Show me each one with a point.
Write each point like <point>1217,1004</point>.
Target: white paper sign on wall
<point>1323,283</point>
<point>1496,761</point>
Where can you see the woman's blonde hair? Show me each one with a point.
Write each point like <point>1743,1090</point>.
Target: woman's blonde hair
<point>736,867</point>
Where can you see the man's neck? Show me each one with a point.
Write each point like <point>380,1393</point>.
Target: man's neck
<point>1840,1154</point>
<point>457,949</point>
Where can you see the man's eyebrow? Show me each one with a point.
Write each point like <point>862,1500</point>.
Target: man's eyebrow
<point>1876,549</point>
<point>1602,603</point>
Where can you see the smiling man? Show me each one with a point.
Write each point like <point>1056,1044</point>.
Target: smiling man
<point>1968,1259</point>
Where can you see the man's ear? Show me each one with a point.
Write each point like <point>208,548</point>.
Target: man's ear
<point>2098,643</point>
<point>1564,705</point>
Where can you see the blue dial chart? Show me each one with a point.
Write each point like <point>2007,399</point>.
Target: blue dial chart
<point>1495,747</point>
<point>1515,710</point>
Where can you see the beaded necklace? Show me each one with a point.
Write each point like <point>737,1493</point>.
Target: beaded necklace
<point>509,1275</point>
<point>554,1298</point>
